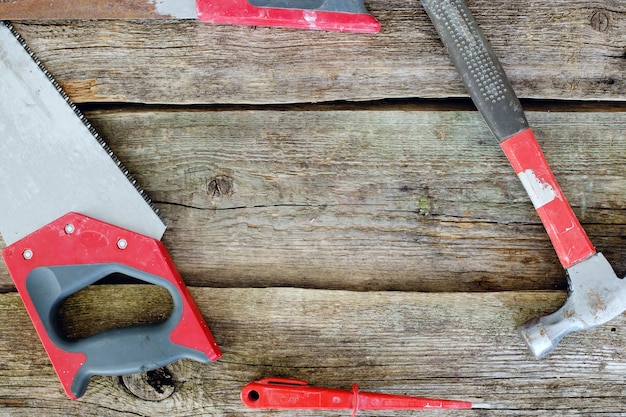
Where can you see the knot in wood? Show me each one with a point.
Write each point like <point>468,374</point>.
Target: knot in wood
<point>220,186</point>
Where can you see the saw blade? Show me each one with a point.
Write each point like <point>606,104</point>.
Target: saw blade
<point>98,9</point>
<point>52,161</point>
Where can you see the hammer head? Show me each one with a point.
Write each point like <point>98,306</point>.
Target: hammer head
<point>596,295</point>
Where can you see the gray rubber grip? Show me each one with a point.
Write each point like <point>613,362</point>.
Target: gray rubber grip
<point>114,352</point>
<point>482,74</point>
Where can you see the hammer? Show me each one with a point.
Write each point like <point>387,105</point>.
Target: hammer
<point>596,294</point>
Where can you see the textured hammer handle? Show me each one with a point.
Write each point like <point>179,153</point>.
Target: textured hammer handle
<point>494,97</point>
<point>478,66</point>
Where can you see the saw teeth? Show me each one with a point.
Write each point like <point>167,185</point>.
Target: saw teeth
<point>82,117</point>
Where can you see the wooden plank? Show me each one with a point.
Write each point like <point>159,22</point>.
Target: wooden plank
<point>560,49</point>
<point>365,200</point>
<point>84,9</point>
<point>455,345</point>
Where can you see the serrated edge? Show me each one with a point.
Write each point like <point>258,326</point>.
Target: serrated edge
<point>83,119</point>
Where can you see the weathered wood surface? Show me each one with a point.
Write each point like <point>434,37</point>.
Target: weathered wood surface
<point>559,49</point>
<point>340,202</point>
<point>367,199</point>
<point>85,9</point>
<point>454,345</point>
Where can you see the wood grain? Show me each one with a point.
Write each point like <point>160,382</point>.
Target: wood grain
<point>343,242</point>
<point>79,9</point>
<point>454,345</point>
<point>365,200</point>
<point>551,50</point>
<point>369,200</point>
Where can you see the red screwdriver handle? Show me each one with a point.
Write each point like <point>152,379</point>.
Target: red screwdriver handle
<point>278,393</point>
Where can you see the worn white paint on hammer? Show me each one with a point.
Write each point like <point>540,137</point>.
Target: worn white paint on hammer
<point>540,192</point>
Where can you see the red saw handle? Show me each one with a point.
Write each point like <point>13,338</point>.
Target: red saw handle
<point>76,251</point>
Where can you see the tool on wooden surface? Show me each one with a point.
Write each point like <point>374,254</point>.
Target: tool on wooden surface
<point>332,15</point>
<point>293,394</point>
<point>596,294</point>
<point>71,216</point>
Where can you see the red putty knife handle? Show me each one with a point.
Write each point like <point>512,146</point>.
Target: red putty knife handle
<point>331,15</point>
<point>76,251</point>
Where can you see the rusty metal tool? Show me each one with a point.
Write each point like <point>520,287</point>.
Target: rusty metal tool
<point>293,394</point>
<point>331,15</point>
<point>596,294</point>
<point>72,216</point>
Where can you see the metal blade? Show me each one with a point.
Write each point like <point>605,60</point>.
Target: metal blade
<point>51,161</point>
<point>344,6</point>
<point>98,9</point>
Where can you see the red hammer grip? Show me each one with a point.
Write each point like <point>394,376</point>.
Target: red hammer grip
<point>570,241</point>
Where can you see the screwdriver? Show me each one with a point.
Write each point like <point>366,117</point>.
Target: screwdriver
<point>281,393</point>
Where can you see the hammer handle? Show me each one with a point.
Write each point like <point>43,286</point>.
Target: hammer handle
<point>493,95</point>
<point>571,243</point>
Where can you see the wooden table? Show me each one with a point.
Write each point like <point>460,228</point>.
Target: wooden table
<point>341,213</point>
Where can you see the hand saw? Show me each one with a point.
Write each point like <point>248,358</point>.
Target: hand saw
<point>71,217</point>
<point>332,15</point>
